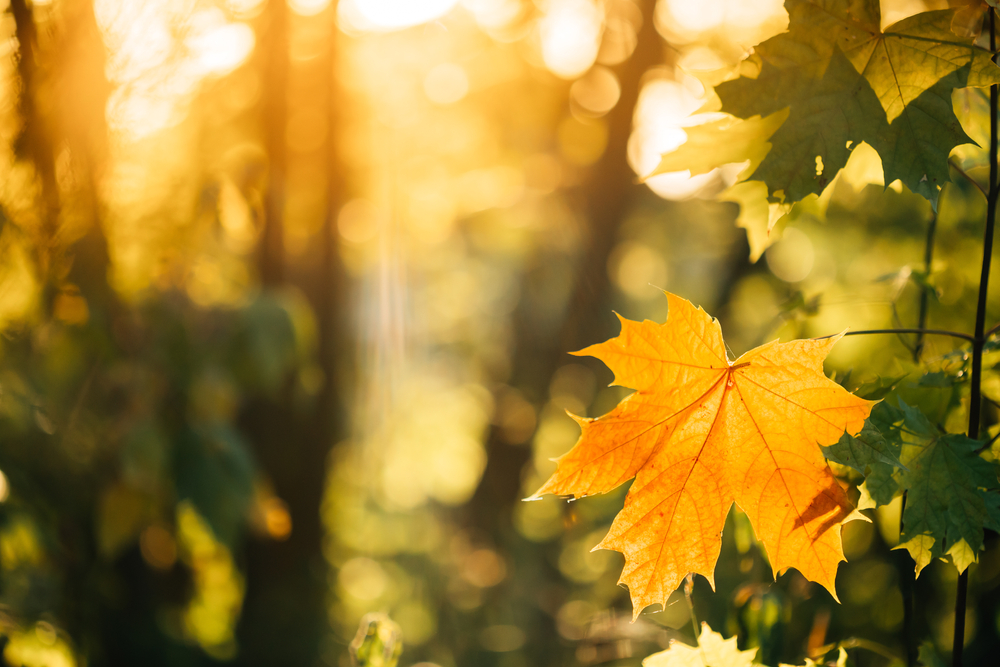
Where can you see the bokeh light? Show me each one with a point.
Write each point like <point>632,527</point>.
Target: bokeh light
<point>570,31</point>
<point>287,291</point>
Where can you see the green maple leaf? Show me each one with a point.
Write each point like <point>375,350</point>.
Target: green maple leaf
<point>845,80</point>
<point>874,452</point>
<point>952,492</point>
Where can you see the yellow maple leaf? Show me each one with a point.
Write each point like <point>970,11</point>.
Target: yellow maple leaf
<point>701,432</point>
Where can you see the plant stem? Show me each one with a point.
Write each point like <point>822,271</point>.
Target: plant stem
<point>975,393</point>
<point>933,332</point>
<point>688,590</point>
<point>954,165</point>
<point>924,295</point>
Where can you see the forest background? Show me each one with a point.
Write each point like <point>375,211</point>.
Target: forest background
<point>286,296</point>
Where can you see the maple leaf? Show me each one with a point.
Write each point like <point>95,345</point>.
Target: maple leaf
<point>701,432</point>
<point>727,141</point>
<point>845,80</point>
<point>712,651</point>
<point>723,141</point>
<point>951,493</point>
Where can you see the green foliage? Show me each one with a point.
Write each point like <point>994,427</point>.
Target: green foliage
<point>872,453</point>
<point>845,81</point>
<point>951,490</point>
<point>378,643</point>
<point>838,79</point>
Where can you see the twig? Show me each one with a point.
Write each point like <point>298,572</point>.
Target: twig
<point>953,165</point>
<point>932,332</point>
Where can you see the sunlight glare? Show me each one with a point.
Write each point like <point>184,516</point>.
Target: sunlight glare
<point>245,9</point>
<point>221,48</point>
<point>308,7</point>
<point>571,36</point>
<point>493,13</point>
<point>683,21</point>
<point>447,83</point>
<point>663,106</point>
<point>158,53</point>
<point>697,16</point>
<point>386,15</point>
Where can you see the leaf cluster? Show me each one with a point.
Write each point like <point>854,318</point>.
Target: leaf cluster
<point>805,100</point>
<point>951,487</point>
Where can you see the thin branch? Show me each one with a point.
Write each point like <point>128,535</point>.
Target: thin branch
<point>857,642</point>
<point>953,165</point>
<point>928,332</point>
<point>988,443</point>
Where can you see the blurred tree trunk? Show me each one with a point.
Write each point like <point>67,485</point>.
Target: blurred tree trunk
<point>84,91</point>
<point>284,617</point>
<point>271,252</point>
<point>35,144</point>
<point>72,71</point>
<point>605,199</point>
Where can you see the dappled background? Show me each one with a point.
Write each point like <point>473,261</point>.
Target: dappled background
<point>286,294</point>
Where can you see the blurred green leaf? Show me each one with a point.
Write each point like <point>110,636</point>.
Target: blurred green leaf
<point>214,470</point>
<point>378,643</point>
<point>928,656</point>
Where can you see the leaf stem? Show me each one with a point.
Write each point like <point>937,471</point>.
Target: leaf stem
<point>954,165</point>
<point>688,590</point>
<point>914,330</point>
<point>857,642</point>
<point>975,392</point>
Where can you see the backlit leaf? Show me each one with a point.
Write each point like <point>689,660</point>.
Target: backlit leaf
<point>721,142</point>
<point>712,651</point>
<point>846,81</point>
<point>701,432</point>
<point>762,219</point>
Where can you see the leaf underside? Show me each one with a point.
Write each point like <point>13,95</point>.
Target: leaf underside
<point>845,81</point>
